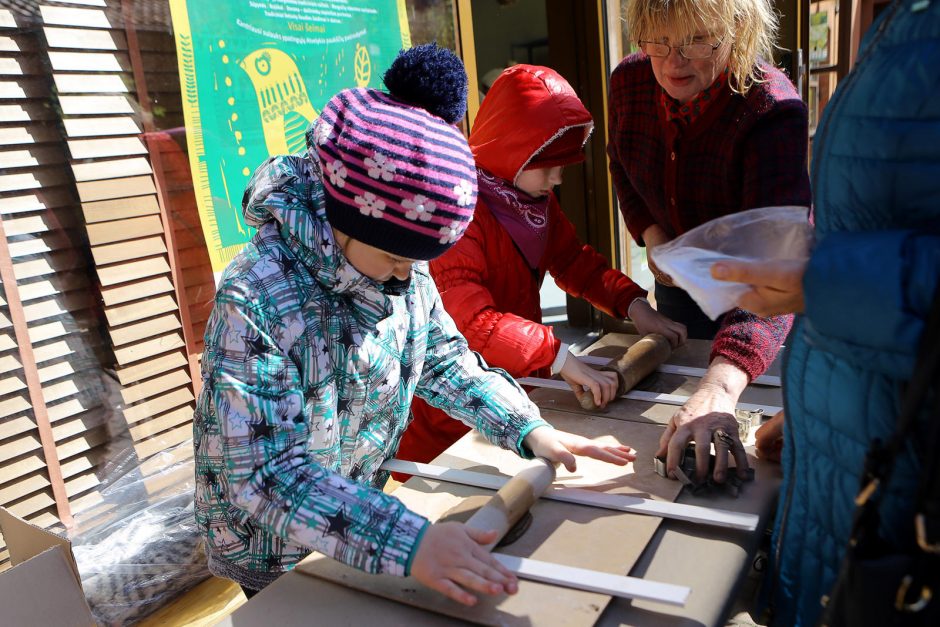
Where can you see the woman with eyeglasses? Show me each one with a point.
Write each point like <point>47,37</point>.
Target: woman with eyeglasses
<point>702,125</point>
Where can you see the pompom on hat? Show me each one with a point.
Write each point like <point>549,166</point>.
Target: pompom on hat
<point>398,174</point>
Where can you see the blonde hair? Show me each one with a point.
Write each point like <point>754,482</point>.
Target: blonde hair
<point>751,24</point>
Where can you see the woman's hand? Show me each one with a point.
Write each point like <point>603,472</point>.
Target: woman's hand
<point>776,286</point>
<point>708,410</point>
<point>586,380</point>
<point>770,438</point>
<point>451,559</point>
<point>561,447</point>
<point>648,320</point>
<point>654,236</point>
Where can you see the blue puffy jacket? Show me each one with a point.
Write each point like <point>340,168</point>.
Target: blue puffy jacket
<point>868,289</point>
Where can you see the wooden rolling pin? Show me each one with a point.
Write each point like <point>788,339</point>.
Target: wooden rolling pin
<point>514,499</point>
<point>638,362</point>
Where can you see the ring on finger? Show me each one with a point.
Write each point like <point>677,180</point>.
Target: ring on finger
<point>723,439</point>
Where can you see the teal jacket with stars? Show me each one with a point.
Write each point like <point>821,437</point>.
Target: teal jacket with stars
<point>308,374</point>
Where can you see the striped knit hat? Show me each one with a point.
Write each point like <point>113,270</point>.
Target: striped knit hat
<point>398,174</point>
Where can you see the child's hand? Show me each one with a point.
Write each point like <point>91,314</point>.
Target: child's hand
<point>561,447</point>
<point>648,320</point>
<point>586,380</point>
<point>451,559</point>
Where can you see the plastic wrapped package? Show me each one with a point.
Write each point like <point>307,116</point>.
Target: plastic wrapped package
<point>140,546</point>
<point>756,235</point>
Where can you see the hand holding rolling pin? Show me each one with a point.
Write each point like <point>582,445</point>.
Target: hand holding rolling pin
<point>454,559</point>
<point>597,386</point>
<point>647,320</point>
<point>638,362</point>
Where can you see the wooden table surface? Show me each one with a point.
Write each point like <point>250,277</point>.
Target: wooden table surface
<point>710,560</point>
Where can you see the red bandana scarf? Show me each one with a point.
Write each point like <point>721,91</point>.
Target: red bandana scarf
<point>687,113</point>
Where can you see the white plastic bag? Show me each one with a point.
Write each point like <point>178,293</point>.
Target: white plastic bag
<point>765,234</point>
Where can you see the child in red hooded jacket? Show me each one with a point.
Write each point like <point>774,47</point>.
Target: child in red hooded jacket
<point>530,125</point>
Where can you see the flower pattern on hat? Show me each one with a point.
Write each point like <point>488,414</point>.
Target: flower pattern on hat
<point>450,234</point>
<point>337,172</point>
<point>370,205</point>
<point>464,192</point>
<point>391,188</point>
<point>380,166</point>
<point>419,208</point>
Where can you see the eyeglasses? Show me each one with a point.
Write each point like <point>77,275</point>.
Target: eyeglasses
<point>689,51</point>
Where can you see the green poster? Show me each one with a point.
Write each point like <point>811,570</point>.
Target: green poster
<point>254,75</point>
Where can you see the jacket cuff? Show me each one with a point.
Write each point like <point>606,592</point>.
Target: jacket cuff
<point>523,452</point>
<point>749,342</point>
<point>560,358</point>
<point>630,306</point>
<point>750,362</point>
<point>402,544</point>
<point>637,224</point>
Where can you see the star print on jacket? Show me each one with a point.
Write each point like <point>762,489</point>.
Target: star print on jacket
<point>260,430</point>
<point>338,523</point>
<point>254,346</point>
<point>309,370</point>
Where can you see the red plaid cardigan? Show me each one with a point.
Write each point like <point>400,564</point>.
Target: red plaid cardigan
<point>743,152</point>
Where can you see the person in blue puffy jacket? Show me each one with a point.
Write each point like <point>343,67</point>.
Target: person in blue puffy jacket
<point>864,294</point>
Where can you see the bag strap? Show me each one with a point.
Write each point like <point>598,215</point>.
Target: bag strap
<point>879,461</point>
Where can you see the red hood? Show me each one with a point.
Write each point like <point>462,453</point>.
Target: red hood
<point>526,108</point>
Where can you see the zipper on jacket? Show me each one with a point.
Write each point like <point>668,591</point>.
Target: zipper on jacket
<point>784,517</point>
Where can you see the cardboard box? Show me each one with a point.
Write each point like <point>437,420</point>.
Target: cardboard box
<point>43,587</point>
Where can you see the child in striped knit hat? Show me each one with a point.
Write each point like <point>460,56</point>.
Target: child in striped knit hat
<point>324,328</point>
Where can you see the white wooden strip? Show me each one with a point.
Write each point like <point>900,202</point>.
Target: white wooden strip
<point>678,399</point>
<point>83,38</point>
<point>648,397</point>
<point>688,371</point>
<point>652,507</point>
<point>580,496</point>
<point>89,61</point>
<point>110,169</point>
<point>95,105</point>
<point>29,134</point>
<point>594,580</point>
<point>91,83</point>
<point>62,16</point>
<point>101,148</point>
<point>93,127</point>
<point>36,201</point>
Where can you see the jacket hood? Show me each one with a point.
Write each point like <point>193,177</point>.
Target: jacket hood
<point>287,191</point>
<point>526,108</point>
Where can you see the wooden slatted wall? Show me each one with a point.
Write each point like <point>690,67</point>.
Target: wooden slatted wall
<point>99,93</point>
<point>104,254</point>
<point>51,414</point>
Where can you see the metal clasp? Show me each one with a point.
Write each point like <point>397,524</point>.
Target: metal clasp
<point>866,492</point>
<point>900,601</point>
<point>920,526</point>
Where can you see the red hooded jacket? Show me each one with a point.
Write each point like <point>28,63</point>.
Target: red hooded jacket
<point>485,283</point>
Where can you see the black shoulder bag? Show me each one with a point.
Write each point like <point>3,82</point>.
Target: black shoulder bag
<point>879,584</point>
